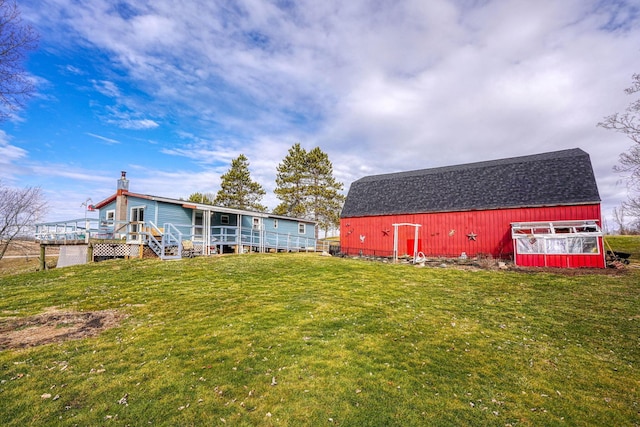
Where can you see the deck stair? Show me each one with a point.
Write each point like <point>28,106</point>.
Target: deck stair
<point>165,242</point>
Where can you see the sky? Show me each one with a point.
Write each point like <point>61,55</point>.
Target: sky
<point>171,91</point>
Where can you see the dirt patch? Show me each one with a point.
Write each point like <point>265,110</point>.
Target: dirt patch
<point>55,326</point>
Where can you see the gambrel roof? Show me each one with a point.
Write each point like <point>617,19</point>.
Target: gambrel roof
<point>548,179</point>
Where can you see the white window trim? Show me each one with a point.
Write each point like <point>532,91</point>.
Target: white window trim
<point>136,229</point>
<point>302,228</point>
<point>197,230</point>
<point>143,208</point>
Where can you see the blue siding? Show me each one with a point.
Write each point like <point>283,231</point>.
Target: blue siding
<point>291,226</point>
<point>247,221</point>
<point>103,211</point>
<point>150,208</point>
<point>181,218</point>
<point>177,215</point>
<point>216,219</point>
<point>268,224</point>
<point>279,233</point>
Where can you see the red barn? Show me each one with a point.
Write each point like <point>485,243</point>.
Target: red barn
<point>538,210</point>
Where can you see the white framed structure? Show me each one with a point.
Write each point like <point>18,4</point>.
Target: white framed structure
<point>415,241</point>
<point>556,243</point>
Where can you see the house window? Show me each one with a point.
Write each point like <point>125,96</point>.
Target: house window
<point>198,222</point>
<point>302,228</point>
<point>275,223</point>
<point>256,223</point>
<point>224,219</point>
<point>110,215</point>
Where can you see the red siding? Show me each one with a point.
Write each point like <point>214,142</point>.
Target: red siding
<point>447,234</point>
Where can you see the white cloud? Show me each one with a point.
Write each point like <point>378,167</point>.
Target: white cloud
<point>9,153</point>
<point>104,138</point>
<point>10,157</point>
<point>136,124</point>
<point>380,86</point>
<point>107,88</point>
<point>74,70</point>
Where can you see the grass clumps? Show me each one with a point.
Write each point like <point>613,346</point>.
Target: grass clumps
<point>295,339</point>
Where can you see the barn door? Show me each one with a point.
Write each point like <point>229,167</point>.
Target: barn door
<point>411,245</point>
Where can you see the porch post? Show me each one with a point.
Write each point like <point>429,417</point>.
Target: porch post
<point>415,243</point>
<point>395,243</point>
<point>239,236</point>
<point>43,254</point>
<point>206,233</point>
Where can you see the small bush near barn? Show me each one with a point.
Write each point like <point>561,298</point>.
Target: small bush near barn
<point>296,339</point>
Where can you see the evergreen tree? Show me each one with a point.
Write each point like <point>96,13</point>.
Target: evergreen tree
<point>307,189</point>
<point>291,183</point>
<point>324,197</point>
<point>237,190</point>
<point>204,198</point>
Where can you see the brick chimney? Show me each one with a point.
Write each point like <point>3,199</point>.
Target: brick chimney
<point>121,203</point>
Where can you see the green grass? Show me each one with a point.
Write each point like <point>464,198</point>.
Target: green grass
<point>628,244</point>
<point>347,342</point>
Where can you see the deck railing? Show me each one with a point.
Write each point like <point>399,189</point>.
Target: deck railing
<point>252,239</point>
<point>73,230</point>
<point>220,236</point>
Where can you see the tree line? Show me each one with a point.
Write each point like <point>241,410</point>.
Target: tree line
<point>305,186</point>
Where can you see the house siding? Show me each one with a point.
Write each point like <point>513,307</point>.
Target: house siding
<point>150,208</point>
<point>102,214</point>
<point>201,223</point>
<point>216,219</point>
<point>178,216</point>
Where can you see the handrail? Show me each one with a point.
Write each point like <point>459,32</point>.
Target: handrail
<point>69,230</point>
<point>166,241</point>
<point>171,237</point>
<point>155,228</point>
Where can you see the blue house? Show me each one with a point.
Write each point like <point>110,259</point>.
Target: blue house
<point>174,228</point>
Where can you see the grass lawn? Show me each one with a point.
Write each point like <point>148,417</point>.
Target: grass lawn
<point>628,244</point>
<point>297,339</point>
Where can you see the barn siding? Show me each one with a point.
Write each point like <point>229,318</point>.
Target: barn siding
<point>445,234</point>
<point>564,261</point>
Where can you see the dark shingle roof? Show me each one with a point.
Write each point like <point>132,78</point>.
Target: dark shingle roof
<point>557,178</point>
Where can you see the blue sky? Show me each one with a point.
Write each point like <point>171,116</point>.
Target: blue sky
<point>171,91</point>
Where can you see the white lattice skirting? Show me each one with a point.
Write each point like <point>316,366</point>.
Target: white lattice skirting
<point>115,250</point>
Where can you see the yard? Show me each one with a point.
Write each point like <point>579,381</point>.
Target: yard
<point>298,339</point>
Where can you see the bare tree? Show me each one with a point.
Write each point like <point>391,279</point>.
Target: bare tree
<point>20,209</point>
<point>628,123</point>
<point>632,207</point>
<point>16,39</point>
<point>618,218</point>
